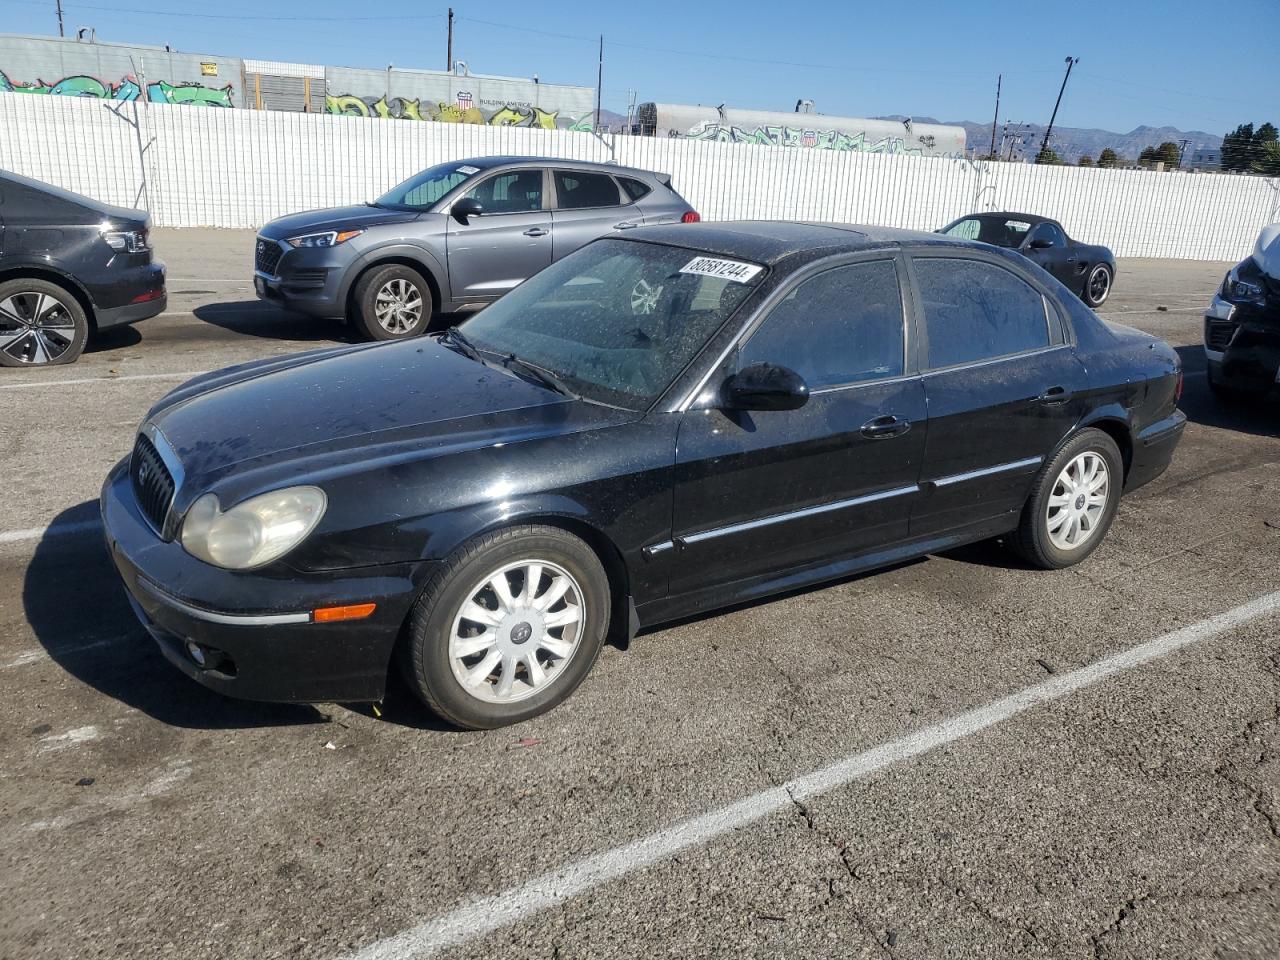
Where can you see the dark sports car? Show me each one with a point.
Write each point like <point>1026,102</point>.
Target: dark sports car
<point>654,426</point>
<point>1087,270</point>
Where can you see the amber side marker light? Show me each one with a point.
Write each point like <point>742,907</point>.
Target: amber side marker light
<point>356,611</point>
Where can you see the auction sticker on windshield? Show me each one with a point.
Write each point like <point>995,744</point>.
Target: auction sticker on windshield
<point>468,170</point>
<point>726,269</point>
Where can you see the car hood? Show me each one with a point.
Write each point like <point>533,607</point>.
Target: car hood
<point>333,218</point>
<point>337,409</point>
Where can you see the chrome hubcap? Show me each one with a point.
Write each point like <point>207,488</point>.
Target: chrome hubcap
<point>398,306</point>
<point>521,626</point>
<point>1078,501</point>
<point>1099,284</point>
<point>35,328</point>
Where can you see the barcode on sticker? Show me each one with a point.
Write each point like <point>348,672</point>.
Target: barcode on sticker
<point>725,269</point>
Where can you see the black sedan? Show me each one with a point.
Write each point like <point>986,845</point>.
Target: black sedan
<point>69,267</point>
<point>1242,324</point>
<point>1086,269</point>
<point>652,427</point>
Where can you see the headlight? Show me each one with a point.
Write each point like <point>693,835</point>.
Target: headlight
<point>330,238</point>
<point>252,533</point>
<point>126,241</point>
<point>1243,284</point>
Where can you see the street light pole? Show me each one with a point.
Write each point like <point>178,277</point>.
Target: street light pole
<point>996,117</point>
<point>1071,62</point>
<point>60,33</point>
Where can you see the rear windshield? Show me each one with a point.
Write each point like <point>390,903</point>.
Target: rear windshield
<point>618,320</point>
<point>426,188</point>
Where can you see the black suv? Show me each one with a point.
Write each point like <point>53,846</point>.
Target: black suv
<point>69,267</point>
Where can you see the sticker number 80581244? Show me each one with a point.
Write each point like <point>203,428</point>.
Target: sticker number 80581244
<point>725,269</point>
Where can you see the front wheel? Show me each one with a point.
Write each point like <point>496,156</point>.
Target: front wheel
<point>508,628</point>
<point>392,303</point>
<point>1073,503</point>
<point>1097,286</point>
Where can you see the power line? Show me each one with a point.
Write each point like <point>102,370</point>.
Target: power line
<point>228,16</point>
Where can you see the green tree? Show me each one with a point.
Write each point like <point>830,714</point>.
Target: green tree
<point>1085,160</point>
<point>1108,158</point>
<point>1048,155</point>
<point>1148,157</point>
<point>1267,133</point>
<point>1169,153</point>
<point>1237,148</point>
<point>1268,159</point>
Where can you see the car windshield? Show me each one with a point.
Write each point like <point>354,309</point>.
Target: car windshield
<point>998,231</point>
<point>617,321</point>
<point>423,190</point>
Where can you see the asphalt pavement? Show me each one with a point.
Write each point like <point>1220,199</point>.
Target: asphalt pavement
<point>958,757</point>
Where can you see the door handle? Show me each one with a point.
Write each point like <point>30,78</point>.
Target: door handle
<point>1054,396</point>
<point>626,225</point>
<point>882,428</point>
<point>536,232</point>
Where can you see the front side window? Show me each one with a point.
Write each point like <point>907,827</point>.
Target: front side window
<point>576,190</point>
<point>843,326</point>
<point>519,191</point>
<point>1048,232</point>
<point>426,188</point>
<point>978,311</point>
<point>617,321</point>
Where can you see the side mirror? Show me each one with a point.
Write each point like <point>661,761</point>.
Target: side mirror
<point>466,208</point>
<point>1040,243</point>
<point>765,386</point>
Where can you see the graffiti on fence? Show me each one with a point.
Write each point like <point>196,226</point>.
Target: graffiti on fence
<point>784,136</point>
<point>158,91</point>
<point>463,110</point>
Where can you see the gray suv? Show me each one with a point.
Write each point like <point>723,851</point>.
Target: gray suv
<point>456,235</point>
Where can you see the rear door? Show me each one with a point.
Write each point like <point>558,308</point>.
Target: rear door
<point>588,205</point>
<point>763,491</point>
<point>508,243</point>
<point>1002,384</point>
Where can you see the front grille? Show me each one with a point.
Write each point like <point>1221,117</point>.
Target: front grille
<point>267,256</point>
<point>152,483</point>
<point>1218,334</point>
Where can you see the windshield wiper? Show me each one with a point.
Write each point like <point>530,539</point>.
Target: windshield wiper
<point>540,374</point>
<point>459,339</point>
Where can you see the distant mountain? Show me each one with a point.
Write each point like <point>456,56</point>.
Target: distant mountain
<point>1071,142</point>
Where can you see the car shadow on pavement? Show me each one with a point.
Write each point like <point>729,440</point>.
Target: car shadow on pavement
<point>254,318</point>
<point>114,338</point>
<point>1243,414</point>
<point>75,604</point>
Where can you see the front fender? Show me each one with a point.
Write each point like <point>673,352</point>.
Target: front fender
<point>419,254</point>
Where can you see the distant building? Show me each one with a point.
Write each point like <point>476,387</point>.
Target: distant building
<point>1202,158</point>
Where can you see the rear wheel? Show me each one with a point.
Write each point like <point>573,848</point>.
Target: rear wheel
<point>392,303</point>
<point>41,324</point>
<point>1097,286</point>
<point>1073,504</point>
<point>508,628</point>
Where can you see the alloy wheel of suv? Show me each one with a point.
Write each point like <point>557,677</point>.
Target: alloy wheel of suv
<point>392,302</point>
<point>40,324</point>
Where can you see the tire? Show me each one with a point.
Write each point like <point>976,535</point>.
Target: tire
<point>1223,392</point>
<point>1097,285</point>
<point>444,652</point>
<point>392,303</point>
<point>1049,547</point>
<point>41,324</point>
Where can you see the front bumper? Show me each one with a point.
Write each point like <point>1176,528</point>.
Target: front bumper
<point>253,629</point>
<point>307,280</point>
<point>1242,346</point>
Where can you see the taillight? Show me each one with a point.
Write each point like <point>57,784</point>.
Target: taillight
<point>1177,388</point>
<point>690,216</point>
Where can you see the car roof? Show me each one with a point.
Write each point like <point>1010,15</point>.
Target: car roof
<point>490,163</point>
<point>1031,218</point>
<point>772,241</point>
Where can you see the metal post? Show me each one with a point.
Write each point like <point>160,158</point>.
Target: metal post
<point>1071,62</point>
<point>60,33</point>
<point>448,57</point>
<point>996,116</point>
<point>599,81</point>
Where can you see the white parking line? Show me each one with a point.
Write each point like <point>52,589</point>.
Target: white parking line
<point>52,530</point>
<point>37,384</point>
<point>491,913</point>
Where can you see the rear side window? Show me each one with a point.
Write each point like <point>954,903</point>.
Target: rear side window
<point>977,311</point>
<point>577,190</point>
<point>634,189</point>
<point>843,326</point>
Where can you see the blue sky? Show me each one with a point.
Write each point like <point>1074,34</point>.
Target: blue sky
<point>1141,61</point>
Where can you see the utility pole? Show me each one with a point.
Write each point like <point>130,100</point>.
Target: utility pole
<point>1182,148</point>
<point>599,81</point>
<point>995,116</point>
<point>60,33</point>
<point>1071,62</point>
<point>449,50</point>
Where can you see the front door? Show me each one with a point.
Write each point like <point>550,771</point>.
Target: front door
<point>505,245</point>
<point>1003,389</point>
<point>758,492</point>
<point>1054,255</point>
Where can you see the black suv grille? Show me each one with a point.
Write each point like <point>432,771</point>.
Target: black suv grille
<point>267,257</point>
<point>1218,334</point>
<point>152,483</point>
